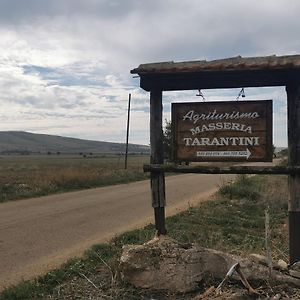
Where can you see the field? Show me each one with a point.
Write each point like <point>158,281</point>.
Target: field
<point>232,221</point>
<point>27,176</point>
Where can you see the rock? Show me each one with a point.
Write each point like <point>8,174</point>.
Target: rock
<point>261,259</point>
<point>295,266</point>
<point>294,273</point>
<point>294,270</point>
<point>164,264</point>
<point>282,265</point>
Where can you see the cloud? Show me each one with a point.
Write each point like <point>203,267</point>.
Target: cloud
<point>64,64</point>
<point>73,75</point>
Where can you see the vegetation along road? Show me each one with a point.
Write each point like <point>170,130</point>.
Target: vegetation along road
<point>39,234</point>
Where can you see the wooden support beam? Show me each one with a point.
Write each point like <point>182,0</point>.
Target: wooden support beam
<point>293,99</point>
<point>156,143</point>
<point>175,81</point>
<point>277,170</point>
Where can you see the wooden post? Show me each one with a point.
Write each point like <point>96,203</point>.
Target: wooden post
<point>157,157</point>
<point>293,99</point>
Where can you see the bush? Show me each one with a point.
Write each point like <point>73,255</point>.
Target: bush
<point>244,187</point>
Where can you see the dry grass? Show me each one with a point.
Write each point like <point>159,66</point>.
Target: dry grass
<point>29,176</point>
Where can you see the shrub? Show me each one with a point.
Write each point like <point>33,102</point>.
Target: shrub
<point>244,187</point>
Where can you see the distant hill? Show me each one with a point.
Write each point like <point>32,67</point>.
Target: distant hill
<point>26,142</point>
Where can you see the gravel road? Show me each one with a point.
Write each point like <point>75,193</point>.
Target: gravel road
<point>39,234</point>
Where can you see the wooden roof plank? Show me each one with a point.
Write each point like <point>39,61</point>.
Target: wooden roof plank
<point>223,73</point>
<point>234,64</point>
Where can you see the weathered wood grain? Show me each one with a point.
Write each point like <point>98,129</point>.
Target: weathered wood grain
<point>293,99</point>
<point>277,170</point>
<point>157,178</point>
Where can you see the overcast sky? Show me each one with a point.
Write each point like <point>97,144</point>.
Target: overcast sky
<point>64,64</point>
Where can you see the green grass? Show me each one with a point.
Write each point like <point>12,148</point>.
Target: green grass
<point>232,222</point>
<point>37,175</point>
<point>244,187</point>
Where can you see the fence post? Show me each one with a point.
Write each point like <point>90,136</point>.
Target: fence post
<point>293,101</point>
<point>157,157</point>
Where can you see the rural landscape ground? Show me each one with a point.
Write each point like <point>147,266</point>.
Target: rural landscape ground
<point>27,176</point>
<point>232,221</point>
<point>196,89</point>
<point>54,228</point>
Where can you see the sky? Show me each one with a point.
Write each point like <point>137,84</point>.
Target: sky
<point>65,64</point>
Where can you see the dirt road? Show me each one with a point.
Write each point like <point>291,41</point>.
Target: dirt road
<point>39,234</point>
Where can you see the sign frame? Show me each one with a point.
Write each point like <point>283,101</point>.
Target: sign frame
<point>217,153</point>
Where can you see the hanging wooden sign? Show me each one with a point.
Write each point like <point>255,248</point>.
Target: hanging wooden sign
<point>222,131</point>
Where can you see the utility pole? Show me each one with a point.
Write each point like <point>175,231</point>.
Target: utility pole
<point>127,134</point>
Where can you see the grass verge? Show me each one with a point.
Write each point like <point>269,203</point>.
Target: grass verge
<point>233,221</point>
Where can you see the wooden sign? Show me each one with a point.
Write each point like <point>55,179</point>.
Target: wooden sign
<point>222,131</point>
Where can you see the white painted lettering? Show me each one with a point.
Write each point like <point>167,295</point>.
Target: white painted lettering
<point>195,117</point>
<point>187,141</point>
<point>196,142</point>
<point>222,141</point>
<point>205,141</point>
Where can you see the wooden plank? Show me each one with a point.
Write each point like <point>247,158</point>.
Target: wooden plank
<point>237,63</point>
<point>222,131</point>
<point>156,142</point>
<point>293,97</point>
<point>277,170</point>
<point>213,80</point>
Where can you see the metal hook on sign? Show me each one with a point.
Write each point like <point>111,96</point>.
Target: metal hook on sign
<point>200,94</point>
<point>241,94</point>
